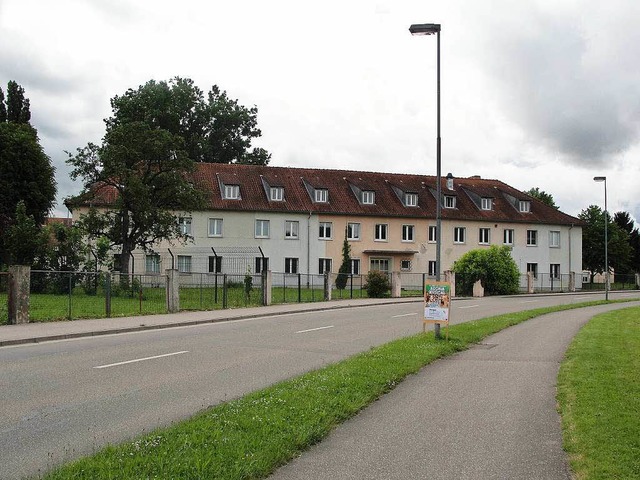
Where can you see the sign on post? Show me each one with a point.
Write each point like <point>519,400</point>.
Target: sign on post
<point>437,300</point>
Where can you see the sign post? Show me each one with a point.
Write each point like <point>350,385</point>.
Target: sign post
<point>437,301</point>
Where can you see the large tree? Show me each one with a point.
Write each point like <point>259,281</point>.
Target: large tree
<point>215,128</point>
<point>26,173</point>
<point>626,223</point>
<point>543,196</point>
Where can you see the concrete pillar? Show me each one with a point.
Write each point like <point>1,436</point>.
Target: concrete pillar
<point>328,287</point>
<point>637,279</point>
<point>396,285</point>
<point>572,281</point>
<point>529,282</point>
<point>450,276</point>
<point>19,291</point>
<point>267,280</point>
<point>478,289</point>
<point>173,290</point>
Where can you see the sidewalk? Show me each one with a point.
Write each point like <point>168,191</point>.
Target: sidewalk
<point>47,331</point>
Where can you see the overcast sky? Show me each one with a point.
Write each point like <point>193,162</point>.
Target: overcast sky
<point>534,93</point>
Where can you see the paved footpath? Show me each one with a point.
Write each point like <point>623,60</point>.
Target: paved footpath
<point>486,413</point>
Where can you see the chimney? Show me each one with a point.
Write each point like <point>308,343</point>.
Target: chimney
<point>449,181</point>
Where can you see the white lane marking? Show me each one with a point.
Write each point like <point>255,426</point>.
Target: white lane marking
<point>315,329</point>
<point>529,301</point>
<point>469,306</point>
<point>141,359</point>
<point>405,315</point>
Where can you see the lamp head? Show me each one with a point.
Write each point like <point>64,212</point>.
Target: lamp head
<point>424,28</point>
<point>600,179</point>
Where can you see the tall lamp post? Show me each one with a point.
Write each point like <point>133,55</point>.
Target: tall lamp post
<point>606,239</point>
<point>431,29</point>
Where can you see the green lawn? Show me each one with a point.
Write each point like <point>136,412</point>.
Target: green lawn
<point>599,397</point>
<point>253,435</point>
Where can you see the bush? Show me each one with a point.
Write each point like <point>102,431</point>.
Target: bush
<point>377,285</point>
<point>493,266</point>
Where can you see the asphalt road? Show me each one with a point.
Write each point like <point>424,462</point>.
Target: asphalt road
<point>65,399</point>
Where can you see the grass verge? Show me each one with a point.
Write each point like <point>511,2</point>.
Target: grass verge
<point>253,435</point>
<point>599,397</point>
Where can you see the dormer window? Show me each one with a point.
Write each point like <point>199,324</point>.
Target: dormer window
<point>487,203</point>
<point>232,192</point>
<point>449,201</point>
<point>368,197</point>
<point>276,194</point>
<point>321,195</point>
<point>410,199</point>
<point>524,206</point>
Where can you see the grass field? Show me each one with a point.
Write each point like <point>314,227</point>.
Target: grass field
<point>599,397</point>
<point>253,435</point>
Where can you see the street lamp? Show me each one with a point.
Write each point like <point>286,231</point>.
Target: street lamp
<point>606,239</point>
<point>430,29</point>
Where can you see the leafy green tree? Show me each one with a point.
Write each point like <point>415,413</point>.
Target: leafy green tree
<point>24,238</point>
<point>543,196</point>
<point>626,223</point>
<point>215,129</point>
<point>377,284</point>
<point>493,266</point>
<point>345,266</point>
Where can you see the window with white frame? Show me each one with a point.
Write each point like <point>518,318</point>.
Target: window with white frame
<point>532,238</point>
<point>380,232</point>
<point>262,264</point>
<point>184,263</point>
<point>291,228</point>
<point>554,270</point>
<point>262,228</point>
<point>290,265</point>
<point>381,264</point>
<point>524,206</point>
<point>368,197</point>
<point>484,236</point>
<point>431,268</point>
<point>449,201</point>
<point>215,227</point>
<point>232,192</point>
<point>433,234</point>
<point>321,195</point>
<point>554,239</point>
<point>407,233</point>
<point>508,234</point>
<point>410,199</point>
<point>325,230</point>
<point>184,223</point>
<point>355,266</point>
<point>324,265</point>
<point>353,231</point>
<point>533,269</point>
<point>152,263</point>
<point>215,264</point>
<point>276,194</point>
<point>486,203</point>
<point>405,265</point>
<point>459,234</point>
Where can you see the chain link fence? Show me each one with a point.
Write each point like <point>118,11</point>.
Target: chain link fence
<point>353,286</point>
<point>618,282</point>
<point>413,283</point>
<point>296,287</point>
<point>211,291</point>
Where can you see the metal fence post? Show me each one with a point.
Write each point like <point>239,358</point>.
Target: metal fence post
<point>107,294</point>
<point>299,290</point>
<point>224,291</point>
<point>69,315</point>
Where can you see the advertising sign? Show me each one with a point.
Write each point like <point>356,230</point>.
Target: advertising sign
<point>437,300</point>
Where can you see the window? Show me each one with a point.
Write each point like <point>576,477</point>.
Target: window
<point>449,201</point>
<point>215,227</point>
<point>433,234</point>
<point>215,264</point>
<point>410,199</point>
<point>324,265</point>
<point>407,233</point>
<point>508,236</point>
<point>484,236</point>
<point>487,203</point>
<point>355,266</point>
<point>322,195</point>
<point>291,229</point>
<point>532,238</point>
<point>533,268</point>
<point>184,263</point>
<point>262,264</point>
<point>290,265</point>
<point>353,231</point>
<point>324,232</point>
<point>405,265</point>
<point>524,206</point>
<point>554,270</point>
<point>262,228</point>
<point>459,234</point>
<point>152,263</point>
<point>431,268</point>
<point>232,192</point>
<point>554,239</point>
<point>368,197</point>
<point>380,234</point>
<point>276,194</point>
<point>184,224</point>
<point>381,264</point>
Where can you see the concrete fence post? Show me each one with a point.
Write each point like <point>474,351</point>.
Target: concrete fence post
<point>450,277</point>
<point>19,292</point>
<point>572,281</point>
<point>268,283</point>
<point>529,282</point>
<point>396,285</point>
<point>327,286</point>
<point>478,289</point>
<point>173,290</point>
<point>637,279</point>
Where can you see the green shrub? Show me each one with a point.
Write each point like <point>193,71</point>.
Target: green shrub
<point>493,266</point>
<point>377,284</point>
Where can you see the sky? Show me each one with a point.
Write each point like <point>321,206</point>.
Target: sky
<point>533,93</point>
